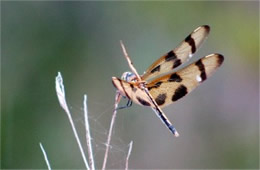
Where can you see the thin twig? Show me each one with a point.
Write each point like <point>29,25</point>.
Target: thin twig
<point>45,157</point>
<point>62,99</point>
<point>88,136</point>
<point>129,61</point>
<point>117,99</point>
<point>128,154</point>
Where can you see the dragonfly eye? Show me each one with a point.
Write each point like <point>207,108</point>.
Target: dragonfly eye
<point>128,76</point>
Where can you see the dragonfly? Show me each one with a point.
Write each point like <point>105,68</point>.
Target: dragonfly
<point>163,83</point>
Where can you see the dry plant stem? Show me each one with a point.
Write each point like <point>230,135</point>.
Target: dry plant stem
<point>45,157</point>
<point>62,99</point>
<point>117,100</point>
<point>128,154</point>
<point>88,136</point>
<point>130,62</point>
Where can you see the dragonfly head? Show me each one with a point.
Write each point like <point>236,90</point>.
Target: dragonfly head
<point>128,76</point>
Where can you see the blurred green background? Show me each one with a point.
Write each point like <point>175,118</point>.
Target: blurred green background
<point>218,122</point>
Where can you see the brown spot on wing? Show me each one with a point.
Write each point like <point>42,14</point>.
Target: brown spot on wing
<point>191,42</point>
<point>143,102</point>
<point>201,67</point>
<point>156,69</point>
<point>206,27</point>
<point>176,63</point>
<point>160,99</point>
<point>179,93</point>
<point>175,78</point>
<point>156,85</point>
<point>170,56</point>
<point>220,59</point>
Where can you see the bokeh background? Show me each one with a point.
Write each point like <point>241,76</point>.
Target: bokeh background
<point>218,122</point>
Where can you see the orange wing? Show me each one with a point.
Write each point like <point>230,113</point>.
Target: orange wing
<point>179,55</point>
<point>171,87</point>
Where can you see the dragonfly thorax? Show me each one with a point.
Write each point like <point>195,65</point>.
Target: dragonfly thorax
<point>128,76</point>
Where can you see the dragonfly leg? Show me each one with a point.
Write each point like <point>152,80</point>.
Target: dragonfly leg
<point>128,104</point>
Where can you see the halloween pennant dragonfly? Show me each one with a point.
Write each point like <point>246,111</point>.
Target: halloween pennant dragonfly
<point>158,86</point>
